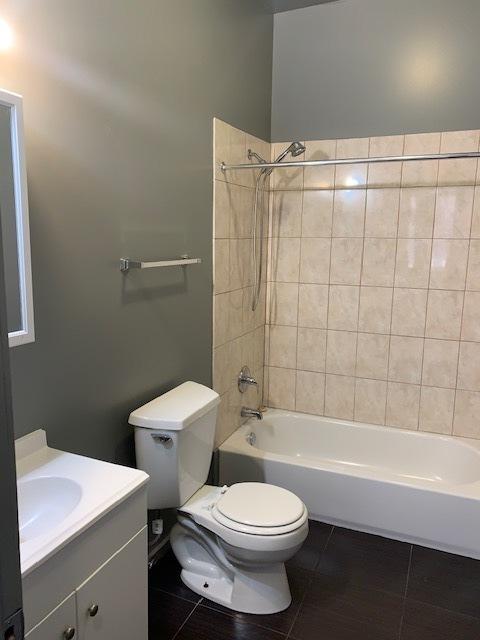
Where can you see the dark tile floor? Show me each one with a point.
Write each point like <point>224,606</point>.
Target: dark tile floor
<point>345,585</point>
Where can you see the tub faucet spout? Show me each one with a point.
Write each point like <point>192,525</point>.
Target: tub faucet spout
<point>251,413</point>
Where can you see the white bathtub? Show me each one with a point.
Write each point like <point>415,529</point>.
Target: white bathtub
<point>412,486</point>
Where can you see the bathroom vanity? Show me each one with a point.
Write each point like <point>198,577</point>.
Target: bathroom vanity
<point>83,545</point>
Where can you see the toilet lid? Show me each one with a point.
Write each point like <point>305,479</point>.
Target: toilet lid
<point>260,505</point>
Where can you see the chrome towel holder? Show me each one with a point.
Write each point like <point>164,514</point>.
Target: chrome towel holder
<point>128,263</point>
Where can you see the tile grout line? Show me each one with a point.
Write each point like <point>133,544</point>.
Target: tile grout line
<point>187,619</point>
<point>400,630</point>
<point>332,217</point>
<point>355,378</point>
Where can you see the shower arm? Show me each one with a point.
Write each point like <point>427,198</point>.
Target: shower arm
<point>322,163</point>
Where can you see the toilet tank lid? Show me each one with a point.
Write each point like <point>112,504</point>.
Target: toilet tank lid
<point>177,408</point>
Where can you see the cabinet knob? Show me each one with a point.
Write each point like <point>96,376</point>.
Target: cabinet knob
<point>69,633</point>
<point>93,610</point>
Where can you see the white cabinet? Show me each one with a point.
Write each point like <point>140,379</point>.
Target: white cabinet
<point>110,604</point>
<point>59,624</point>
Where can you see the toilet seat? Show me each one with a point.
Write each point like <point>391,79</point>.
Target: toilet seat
<point>259,509</point>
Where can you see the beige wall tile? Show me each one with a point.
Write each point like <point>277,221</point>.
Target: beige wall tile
<point>222,266</point>
<point>405,361</point>
<point>220,318</point>
<point>287,214</point>
<point>386,174</point>
<point>440,359</point>
<point>449,264</point>
<point>354,174</point>
<point>453,212</point>
<point>341,350</point>
<point>444,314</point>
<point>475,231</point>
<point>320,177</point>
<point>370,401</point>
<point>281,388</point>
<point>417,209</point>
<point>241,211</point>
<point>315,260</point>
<point>413,263</point>
<point>458,141</point>
<point>381,216</point>
<point>469,366</point>
<point>240,263</point>
<point>236,324</point>
<point>283,303</point>
<point>343,307</point>
<point>313,305</point>
<point>402,405</point>
<point>346,260</point>
<point>422,172</point>
<point>221,368</point>
<point>436,410</point>
<point>467,410</point>
<point>349,213</point>
<point>471,317</point>
<point>283,343</point>
<point>284,259</point>
<point>409,312</point>
<point>259,347</point>
<point>317,214</point>
<point>378,261</point>
<point>230,147</point>
<point>222,211</point>
<point>372,356</point>
<point>458,171</point>
<point>310,392</point>
<point>311,349</point>
<point>339,396</point>
<point>249,323</point>
<point>473,271</point>
<point>375,309</point>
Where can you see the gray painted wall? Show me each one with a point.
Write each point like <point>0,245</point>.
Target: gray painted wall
<point>376,67</point>
<point>119,98</point>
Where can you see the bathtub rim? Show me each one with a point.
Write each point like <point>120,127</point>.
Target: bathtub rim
<point>236,444</point>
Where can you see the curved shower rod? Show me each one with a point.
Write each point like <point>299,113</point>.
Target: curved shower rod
<point>322,163</point>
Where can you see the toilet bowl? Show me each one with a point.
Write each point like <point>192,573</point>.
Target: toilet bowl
<point>231,542</point>
<point>232,550</point>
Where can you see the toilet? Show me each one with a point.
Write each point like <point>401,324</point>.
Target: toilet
<point>231,542</point>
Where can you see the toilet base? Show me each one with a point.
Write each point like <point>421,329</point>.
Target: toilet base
<point>206,570</point>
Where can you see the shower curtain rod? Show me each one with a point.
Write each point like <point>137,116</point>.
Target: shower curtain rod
<point>322,163</point>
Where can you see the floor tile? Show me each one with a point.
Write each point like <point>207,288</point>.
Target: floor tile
<point>299,580</point>
<point>166,614</point>
<point>445,580</point>
<point>165,575</point>
<point>309,554</point>
<point>355,558</point>
<point>347,612</point>
<point>207,624</point>
<point>423,622</point>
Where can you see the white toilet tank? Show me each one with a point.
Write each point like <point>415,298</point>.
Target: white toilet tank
<point>174,437</point>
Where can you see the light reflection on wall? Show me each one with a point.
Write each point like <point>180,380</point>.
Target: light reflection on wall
<point>6,36</point>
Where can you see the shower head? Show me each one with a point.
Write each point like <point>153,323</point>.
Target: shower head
<point>296,148</point>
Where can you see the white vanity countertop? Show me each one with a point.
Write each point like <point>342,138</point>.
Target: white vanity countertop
<point>62,494</point>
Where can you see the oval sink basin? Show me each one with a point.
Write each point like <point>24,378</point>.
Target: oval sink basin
<point>43,503</point>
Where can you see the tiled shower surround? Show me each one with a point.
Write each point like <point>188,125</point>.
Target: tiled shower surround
<point>373,302</point>
<point>238,332</point>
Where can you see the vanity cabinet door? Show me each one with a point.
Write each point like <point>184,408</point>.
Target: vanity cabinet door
<point>113,602</point>
<point>60,624</point>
